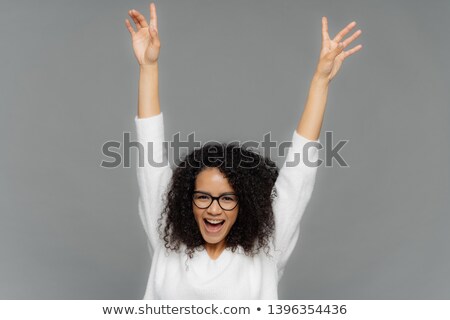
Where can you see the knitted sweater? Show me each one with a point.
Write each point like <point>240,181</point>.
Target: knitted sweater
<point>233,275</point>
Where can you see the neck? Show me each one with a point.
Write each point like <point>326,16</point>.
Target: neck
<point>215,249</point>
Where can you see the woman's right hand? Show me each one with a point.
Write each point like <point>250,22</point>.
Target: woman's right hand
<point>145,40</point>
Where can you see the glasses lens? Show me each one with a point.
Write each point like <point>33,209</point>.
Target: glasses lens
<point>228,202</point>
<point>202,200</point>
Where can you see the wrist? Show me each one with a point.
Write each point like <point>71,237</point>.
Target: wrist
<point>150,66</point>
<point>320,80</point>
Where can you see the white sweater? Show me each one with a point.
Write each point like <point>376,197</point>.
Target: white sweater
<point>233,275</point>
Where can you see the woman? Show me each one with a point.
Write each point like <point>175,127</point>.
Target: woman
<point>217,229</point>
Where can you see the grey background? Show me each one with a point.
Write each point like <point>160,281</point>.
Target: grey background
<point>70,229</point>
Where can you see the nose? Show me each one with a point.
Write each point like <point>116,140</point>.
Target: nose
<point>214,208</point>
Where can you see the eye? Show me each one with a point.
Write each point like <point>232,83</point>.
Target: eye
<point>229,198</point>
<point>201,197</point>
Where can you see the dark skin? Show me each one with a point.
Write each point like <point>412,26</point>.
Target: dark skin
<point>213,182</point>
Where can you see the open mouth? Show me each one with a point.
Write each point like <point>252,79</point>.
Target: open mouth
<point>213,225</point>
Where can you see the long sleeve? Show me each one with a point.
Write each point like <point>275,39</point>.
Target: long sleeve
<point>294,187</point>
<point>154,176</point>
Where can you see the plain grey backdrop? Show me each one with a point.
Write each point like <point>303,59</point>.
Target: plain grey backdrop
<point>378,229</point>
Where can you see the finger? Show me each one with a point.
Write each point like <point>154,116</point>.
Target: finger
<point>336,51</point>
<point>325,35</point>
<point>129,27</point>
<point>154,35</point>
<point>344,31</point>
<point>352,51</point>
<point>141,19</point>
<point>353,37</point>
<point>153,17</point>
<point>132,14</point>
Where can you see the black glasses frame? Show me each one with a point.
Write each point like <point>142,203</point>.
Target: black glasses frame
<point>215,198</point>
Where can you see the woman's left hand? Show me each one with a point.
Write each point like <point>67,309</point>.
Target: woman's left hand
<point>332,54</point>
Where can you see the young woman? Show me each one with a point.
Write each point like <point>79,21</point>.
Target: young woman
<point>224,222</point>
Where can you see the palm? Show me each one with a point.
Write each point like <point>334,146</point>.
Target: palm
<point>333,66</point>
<point>332,55</point>
<point>143,46</point>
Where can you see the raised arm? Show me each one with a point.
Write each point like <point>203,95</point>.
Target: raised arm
<point>153,175</point>
<point>295,183</point>
<point>332,55</point>
<point>146,45</point>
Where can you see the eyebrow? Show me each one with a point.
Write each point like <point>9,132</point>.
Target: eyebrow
<point>222,194</point>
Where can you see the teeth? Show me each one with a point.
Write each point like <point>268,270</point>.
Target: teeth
<point>214,221</point>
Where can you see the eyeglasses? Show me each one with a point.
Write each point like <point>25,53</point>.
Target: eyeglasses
<point>204,200</point>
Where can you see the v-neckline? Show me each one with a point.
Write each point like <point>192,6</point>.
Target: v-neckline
<point>219,258</point>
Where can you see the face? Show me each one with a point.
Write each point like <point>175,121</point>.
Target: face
<point>213,182</point>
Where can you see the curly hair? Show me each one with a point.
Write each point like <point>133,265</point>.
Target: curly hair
<point>252,177</point>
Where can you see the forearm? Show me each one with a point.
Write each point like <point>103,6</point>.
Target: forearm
<point>148,97</point>
<point>310,123</point>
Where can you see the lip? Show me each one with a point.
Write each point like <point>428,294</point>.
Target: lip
<point>210,231</point>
